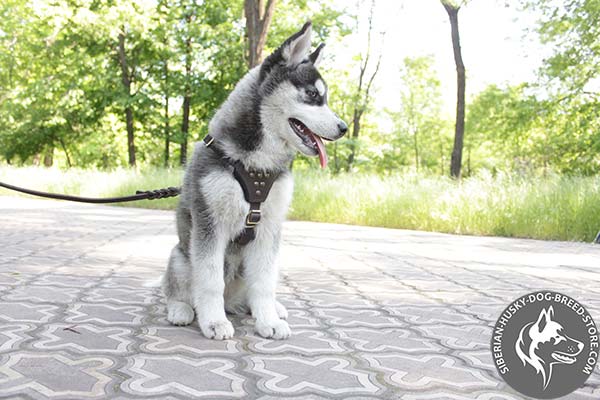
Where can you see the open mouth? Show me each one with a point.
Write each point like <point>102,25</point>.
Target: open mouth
<point>310,139</point>
<point>563,358</point>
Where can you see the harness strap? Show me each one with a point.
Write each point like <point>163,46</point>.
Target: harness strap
<point>256,185</point>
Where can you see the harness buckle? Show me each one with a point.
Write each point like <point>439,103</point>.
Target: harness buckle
<point>209,142</point>
<point>253,217</point>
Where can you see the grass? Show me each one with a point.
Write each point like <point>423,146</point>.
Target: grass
<point>552,207</point>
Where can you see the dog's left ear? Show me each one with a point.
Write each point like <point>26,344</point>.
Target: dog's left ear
<point>295,48</point>
<point>317,55</point>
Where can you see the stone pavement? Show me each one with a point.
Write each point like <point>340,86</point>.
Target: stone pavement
<point>375,313</point>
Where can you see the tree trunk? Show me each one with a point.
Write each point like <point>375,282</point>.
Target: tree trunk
<point>64,147</point>
<point>355,132</point>
<point>49,157</point>
<point>187,98</point>
<point>362,92</point>
<point>185,126</point>
<point>167,127</point>
<point>126,79</point>
<point>416,145</point>
<point>258,20</point>
<point>456,160</point>
<point>441,154</point>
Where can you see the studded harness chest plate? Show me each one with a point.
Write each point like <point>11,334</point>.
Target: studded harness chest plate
<point>256,185</point>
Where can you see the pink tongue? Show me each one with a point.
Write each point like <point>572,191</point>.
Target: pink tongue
<point>321,149</point>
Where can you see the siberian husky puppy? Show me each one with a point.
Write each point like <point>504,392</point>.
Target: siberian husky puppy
<point>277,109</point>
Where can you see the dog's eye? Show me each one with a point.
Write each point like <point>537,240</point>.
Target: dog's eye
<point>312,93</point>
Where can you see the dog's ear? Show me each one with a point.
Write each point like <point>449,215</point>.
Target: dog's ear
<point>544,318</point>
<point>295,48</point>
<point>317,55</point>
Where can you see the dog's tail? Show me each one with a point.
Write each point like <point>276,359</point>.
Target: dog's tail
<point>154,283</point>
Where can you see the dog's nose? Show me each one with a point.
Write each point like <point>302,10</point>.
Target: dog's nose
<point>342,127</point>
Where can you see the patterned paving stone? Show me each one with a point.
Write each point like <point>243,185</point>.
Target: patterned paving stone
<point>120,296</point>
<point>183,340</point>
<point>105,314</point>
<point>447,395</point>
<point>461,337</point>
<point>44,294</point>
<point>287,375</point>
<point>412,372</point>
<point>369,318</point>
<point>85,338</point>
<point>23,312</point>
<point>303,341</point>
<point>54,375</point>
<point>160,375</point>
<point>387,339</point>
<point>12,335</point>
<point>431,315</point>
<point>375,313</point>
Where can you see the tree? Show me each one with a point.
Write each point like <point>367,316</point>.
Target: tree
<point>187,94</point>
<point>452,9</point>
<point>363,90</point>
<point>258,20</point>
<point>504,122</point>
<point>569,76</point>
<point>127,74</point>
<point>574,32</point>
<point>105,83</point>
<point>419,117</point>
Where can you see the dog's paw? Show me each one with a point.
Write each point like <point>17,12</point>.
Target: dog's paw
<point>281,311</point>
<point>278,329</point>
<point>218,330</point>
<point>179,313</point>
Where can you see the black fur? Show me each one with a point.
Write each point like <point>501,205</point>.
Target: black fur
<point>247,130</point>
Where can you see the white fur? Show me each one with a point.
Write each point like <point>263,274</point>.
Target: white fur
<point>320,86</point>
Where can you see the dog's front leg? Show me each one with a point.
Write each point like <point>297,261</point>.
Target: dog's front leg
<point>208,256</point>
<point>261,275</point>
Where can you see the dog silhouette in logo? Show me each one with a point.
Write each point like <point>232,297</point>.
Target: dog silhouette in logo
<point>544,343</point>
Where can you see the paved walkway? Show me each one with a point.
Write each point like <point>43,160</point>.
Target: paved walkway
<point>375,313</point>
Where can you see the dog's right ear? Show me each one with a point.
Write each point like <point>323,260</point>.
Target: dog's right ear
<point>295,49</point>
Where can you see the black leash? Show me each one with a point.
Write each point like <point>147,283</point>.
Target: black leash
<point>139,195</point>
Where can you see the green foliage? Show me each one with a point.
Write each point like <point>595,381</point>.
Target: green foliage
<point>62,95</point>
<point>61,79</point>
<point>419,128</point>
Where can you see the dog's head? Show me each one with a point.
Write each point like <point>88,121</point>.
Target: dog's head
<point>544,343</point>
<point>294,97</point>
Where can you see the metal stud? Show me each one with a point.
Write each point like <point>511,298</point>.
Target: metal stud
<point>262,184</point>
<point>258,192</point>
<point>255,183</point>
<point>251,174</point>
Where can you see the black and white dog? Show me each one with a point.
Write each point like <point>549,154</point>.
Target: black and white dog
<point>278,108</point>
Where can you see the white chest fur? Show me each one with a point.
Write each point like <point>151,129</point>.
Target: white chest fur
<point>226,204</point>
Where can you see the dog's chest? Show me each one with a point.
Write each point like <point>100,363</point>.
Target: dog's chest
<point>225,201</point>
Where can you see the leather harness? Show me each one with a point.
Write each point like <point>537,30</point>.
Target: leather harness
<point>256,185</point>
